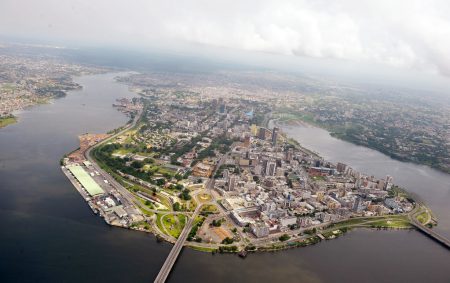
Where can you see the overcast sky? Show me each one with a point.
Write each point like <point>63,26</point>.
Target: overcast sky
<point>405,34</point>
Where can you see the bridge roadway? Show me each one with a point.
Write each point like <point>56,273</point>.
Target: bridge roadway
<point>430,233</point>
<point>176,249</point>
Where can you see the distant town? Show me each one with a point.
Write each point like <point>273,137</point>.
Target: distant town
<point>199,166</point>
<point>26,80</point>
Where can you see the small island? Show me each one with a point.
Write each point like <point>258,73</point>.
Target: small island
<point>208,170</point>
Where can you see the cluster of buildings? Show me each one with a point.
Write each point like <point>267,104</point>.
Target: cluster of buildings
<point>128,106</point>
<point>103,197</point>
<point>271,186</point>
<point>187,132</point>
<point>268,184</point>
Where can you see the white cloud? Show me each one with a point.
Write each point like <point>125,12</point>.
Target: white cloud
<point>409,34</point>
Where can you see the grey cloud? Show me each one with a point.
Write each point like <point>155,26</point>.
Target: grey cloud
<point>409,34</point>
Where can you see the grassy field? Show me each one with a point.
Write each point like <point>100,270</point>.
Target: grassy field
<point>147,203</point>
<point>389,221</point>
<point>423,217</point>
<point>159,222</point>
<point>393,223</point>
<point>5,121</point>
<point>191,205</point>
<point>203,249</point>
<point>122,151</point>
<point>173,224</point>
<point>209,208</point>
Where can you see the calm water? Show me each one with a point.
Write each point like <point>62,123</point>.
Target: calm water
<point>49,234</point>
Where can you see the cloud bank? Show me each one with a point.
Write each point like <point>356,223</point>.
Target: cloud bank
<point>409,34</point>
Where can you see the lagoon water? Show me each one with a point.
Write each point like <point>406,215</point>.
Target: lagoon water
<point>49,234</point>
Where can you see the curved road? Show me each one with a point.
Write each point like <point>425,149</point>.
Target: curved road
<point>176,249</point>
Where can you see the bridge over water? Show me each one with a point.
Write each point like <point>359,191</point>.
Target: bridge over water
<point>176,249</point>
<point>432,234</point>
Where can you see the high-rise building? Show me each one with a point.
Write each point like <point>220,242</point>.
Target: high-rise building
<point>262,133</point>
<point>270,168</point>
<point>341,167</point>
<point>231,183</point>
<point>247,141</point>
<point>381,185</point>
<point>388,182</point>
<point>226,174</point>
<point>289,154</point>
<point>358,206</point>
<point>275,135</point>
<point>260,229</point>
<point>258,169</point>
<point>254,129</point>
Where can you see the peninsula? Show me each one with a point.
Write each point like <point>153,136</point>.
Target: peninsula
<point>207,170</point>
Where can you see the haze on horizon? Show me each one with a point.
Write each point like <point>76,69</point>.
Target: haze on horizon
<point>400,36</point>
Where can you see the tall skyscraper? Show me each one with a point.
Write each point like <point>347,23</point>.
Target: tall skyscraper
<point>388,182</point>
<point>247,141</point>
<point>341,167</point>
<point>289,154</point>
<point>270,169</point>
<point>231,183</point>
<point>262,133</point>
<point>275,135</point>
<point>254,129</point>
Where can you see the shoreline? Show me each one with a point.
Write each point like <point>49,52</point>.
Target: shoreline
<point>275,247</point>
<point>8,120</point>
<point>304,123</point>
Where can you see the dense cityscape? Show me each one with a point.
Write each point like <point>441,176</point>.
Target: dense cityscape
<point>191,154</point>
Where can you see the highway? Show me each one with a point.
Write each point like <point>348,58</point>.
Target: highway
<point>176,249</point>
<point>87,154</point>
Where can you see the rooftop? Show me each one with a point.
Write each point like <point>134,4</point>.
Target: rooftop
<point>86,181</point>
